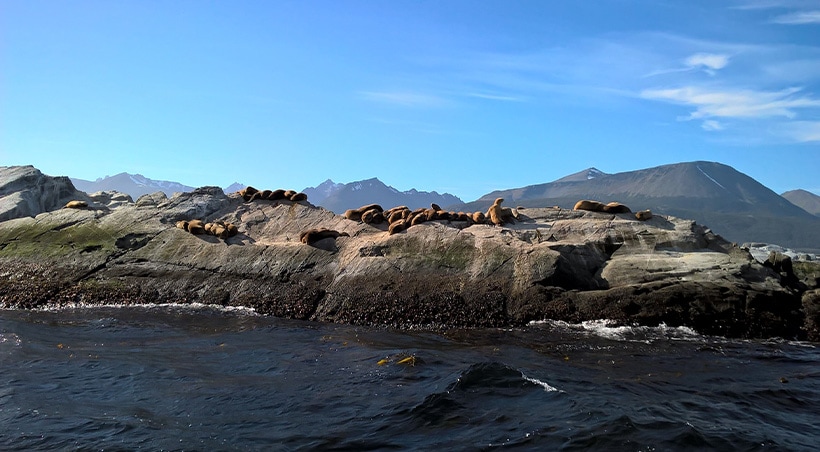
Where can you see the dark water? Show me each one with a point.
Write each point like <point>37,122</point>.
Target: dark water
<point>173,378</point>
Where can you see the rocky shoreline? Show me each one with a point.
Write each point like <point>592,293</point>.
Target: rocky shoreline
<point>549,264</point>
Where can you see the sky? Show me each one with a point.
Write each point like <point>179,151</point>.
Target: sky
<point>456,96</point>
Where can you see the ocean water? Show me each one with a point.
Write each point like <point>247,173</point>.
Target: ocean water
<point>202,378</point>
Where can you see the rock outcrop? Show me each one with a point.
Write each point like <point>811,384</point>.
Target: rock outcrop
<point>26,192</point>
<point>551,264</point>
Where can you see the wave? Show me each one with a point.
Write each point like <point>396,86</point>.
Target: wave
<point>176,307</point>
<point>610,329</point>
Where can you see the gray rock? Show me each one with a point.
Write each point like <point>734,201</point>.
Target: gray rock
<point>26,192</point>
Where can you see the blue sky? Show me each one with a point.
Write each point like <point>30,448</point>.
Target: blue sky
<point>455,96</point>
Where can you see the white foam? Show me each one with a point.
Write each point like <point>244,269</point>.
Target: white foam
<point>543,384</point>
<point>181,306</point>
<point>610,329</point>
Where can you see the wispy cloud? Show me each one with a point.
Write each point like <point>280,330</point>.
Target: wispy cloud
<point>497,97</point>
<point>711,125</point>
<point>730,103</point>
<point>708,60</point>
<point>803,131</point>
<point>406,99</point>
<point>798,18</point>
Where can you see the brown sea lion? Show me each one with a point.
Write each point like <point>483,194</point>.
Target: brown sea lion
<point>616,207</point>
<point>356,214</point>
<point>289,193</point>
<point>312,236</point>
<point>435,206</point>
<point>495,213</point>
<point>643,215</point>
<point>76,205</point>
<point>397,227</point>
<point>592,206</point>
<point>372,216</point>
<point>196,227</point>
<point>276,195</point>
<point>232,229</point>
<point>397,215</point>
<point>247,192</point>
<point>265,194</point>
<point>182,224</point>
<point>478,217</point>
<point>417,218</point>
<point>299,197</point>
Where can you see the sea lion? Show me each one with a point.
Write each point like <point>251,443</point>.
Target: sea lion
<point>276,195</point>
<point>434,206</point>
<point>76,205</point>
<point>255,196</point>
<point>592,206</point>
<point>616,207</point>
<point>312,236</point>
<point>495,213</point>
<point>397,227</point>
<point>196,227</point>
<point>247,192</point>
<point>779,262</point>
<point>397,215</point>
<point>417,218</point>
<point>182,224</point>
<point>372,216</point>
<point>643,215</point>
<point>265,194</point>
<point>478,217</point>
<point>232,229</point>
<point>509,215</point>
<point>299,197</point>
<point>289,193</point>
<point>356,214</point>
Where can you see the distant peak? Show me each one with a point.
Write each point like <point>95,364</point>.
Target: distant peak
<point>587,174</point>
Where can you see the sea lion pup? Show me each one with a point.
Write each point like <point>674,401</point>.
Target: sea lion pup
<point>312,236</point>
<point>616,207</point>
<point>592,206</point>
<point>75,205</point>
<point>478,217</point>
<point>398,226</point>
<point>372,216</point>
<point>356,214</point>
<point>298,197</point>
<point>495,213</point>
<point>182,224</point>
<point>196,227</point>
<point>643,215</point>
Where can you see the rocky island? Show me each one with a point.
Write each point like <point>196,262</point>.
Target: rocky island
<point>550,263</point>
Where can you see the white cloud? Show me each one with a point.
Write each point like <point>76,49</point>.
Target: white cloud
<point>708,60</point>
<point>711,125</point>
<point>496,97</point>
<point>735,103</point>
<point>798,18</point>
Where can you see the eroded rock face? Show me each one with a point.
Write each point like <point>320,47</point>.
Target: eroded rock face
<point>550,264</point>
<point>26,192</point>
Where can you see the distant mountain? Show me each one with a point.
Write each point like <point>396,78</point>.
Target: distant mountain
<point>341,197</point>
<point>319,193</point>
<point>729,202</point>
<point>234,187</point>
<point>137,185</point>
<point>806,200</point>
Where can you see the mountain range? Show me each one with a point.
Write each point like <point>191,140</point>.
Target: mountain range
<point>340,197</point>
<point>731,203</point>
